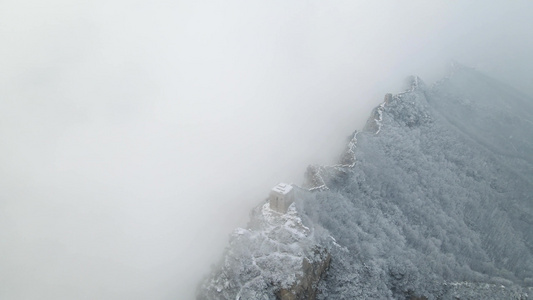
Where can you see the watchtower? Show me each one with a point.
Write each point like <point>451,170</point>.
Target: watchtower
<point>388,98</point>
<point>281,196</point>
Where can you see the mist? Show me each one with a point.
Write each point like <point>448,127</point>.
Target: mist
<point>136,136</point>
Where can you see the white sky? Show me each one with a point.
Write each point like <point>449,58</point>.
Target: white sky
<point>135,135</point>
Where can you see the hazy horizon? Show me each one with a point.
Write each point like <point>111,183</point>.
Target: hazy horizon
<point>136,136</point>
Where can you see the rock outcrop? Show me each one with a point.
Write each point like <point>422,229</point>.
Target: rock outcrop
<point>313,271</point>
<point>276,257</point>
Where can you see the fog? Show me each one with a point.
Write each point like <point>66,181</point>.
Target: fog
<point>135,136</point>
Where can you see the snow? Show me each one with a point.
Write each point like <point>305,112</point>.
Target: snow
<point>282,188</point>
<point>380,116</point>
<point>350,152</point>
<point>240,231</point>
<point>271,251</point>
<point>314,178</point>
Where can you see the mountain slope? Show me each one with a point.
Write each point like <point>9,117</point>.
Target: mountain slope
<point>433,199</point>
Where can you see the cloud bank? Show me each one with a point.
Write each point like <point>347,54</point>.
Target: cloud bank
<point>136,135</point>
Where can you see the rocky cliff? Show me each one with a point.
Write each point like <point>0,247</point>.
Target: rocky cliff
<point>306,287</point>
<point>276,257</point>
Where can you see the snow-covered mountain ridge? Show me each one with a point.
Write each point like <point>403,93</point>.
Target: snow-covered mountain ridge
<point>432,200</point>
<point>273,256</point>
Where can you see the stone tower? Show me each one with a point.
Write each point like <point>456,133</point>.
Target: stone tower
<point>388,98</point>
<point>281,196</point>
